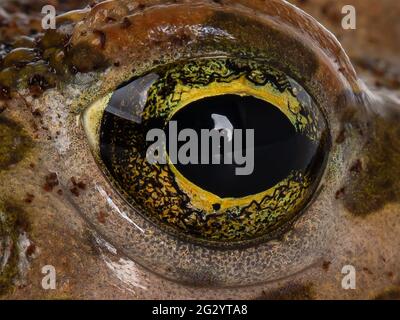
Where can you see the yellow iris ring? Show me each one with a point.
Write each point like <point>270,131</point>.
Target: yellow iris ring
<point>242,87</point>
<point>203,199</point>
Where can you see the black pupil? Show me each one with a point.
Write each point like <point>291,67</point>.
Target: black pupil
<point>278,148</point>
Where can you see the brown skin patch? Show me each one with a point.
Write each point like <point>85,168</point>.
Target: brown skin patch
<point>373,184</point>
<point>14,143</point>
<point>389,294</point>
<point>290,292</point>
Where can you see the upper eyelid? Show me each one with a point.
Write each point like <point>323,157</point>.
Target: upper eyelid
<point>89,30</point>
<point>129,40</point>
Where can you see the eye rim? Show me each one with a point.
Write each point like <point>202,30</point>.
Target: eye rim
<point>282,240</point>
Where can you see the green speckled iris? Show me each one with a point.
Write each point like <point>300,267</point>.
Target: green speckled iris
<point>291,141</point>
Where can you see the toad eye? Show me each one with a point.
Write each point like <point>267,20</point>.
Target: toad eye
<point>258,77</point>
<point>271,146</point>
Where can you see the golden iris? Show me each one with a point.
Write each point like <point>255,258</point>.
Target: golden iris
<point>208,202</point>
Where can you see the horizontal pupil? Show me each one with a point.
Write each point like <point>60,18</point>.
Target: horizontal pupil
<point>278,148</point>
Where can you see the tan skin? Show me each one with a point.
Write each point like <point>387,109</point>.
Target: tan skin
<point>55,196</point>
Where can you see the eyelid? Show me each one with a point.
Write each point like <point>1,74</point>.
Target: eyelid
<point>174,31</point>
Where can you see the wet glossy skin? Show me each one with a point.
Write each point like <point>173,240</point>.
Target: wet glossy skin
<point>354,219</point>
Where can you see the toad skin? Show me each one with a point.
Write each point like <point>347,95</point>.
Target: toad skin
<point>39,132</point>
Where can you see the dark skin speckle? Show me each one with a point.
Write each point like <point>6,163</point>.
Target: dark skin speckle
<point>29,198</point>
<point>74,191</point>
<point>326,265</point>
<point>51,181</point>
<point>340,193</point>
<point>79,184</point>
<point>126,23</point>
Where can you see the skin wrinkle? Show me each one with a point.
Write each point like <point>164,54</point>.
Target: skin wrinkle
<point>349,240</point>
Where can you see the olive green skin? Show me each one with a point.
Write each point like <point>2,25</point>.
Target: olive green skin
<point>358,198</point>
